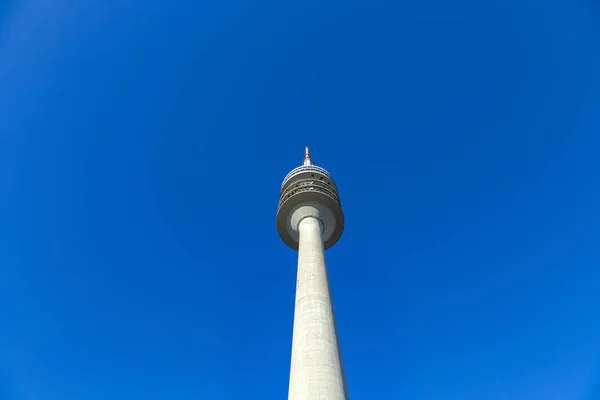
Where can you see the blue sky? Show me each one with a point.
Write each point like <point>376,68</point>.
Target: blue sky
<point>142,145</point>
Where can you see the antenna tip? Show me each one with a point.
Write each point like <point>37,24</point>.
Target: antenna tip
<point>307,160</point>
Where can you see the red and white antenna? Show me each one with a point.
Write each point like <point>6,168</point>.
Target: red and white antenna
<point>307,160</point>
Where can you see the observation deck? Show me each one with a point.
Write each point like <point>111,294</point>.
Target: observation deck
<point>304,185</point>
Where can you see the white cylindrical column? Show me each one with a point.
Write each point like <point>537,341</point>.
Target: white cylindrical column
<point>316,369</point>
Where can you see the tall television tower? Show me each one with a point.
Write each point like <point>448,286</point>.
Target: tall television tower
<point>310,220</point>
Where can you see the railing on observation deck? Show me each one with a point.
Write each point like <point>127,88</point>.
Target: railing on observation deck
<point>306,168</point>
<point>309,185</point>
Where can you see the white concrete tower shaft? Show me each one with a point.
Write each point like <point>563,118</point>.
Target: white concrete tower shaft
<point>310,220</point>
<point>316,371</point>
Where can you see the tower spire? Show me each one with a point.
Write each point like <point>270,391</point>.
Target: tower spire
<point>307,160</point>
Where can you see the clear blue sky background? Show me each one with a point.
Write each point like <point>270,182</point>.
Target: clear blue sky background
<point>142,145</point>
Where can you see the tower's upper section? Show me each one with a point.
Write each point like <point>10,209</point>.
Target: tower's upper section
<point>309,186</point>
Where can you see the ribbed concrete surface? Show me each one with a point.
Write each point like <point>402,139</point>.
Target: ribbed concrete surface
<point>316,369</point>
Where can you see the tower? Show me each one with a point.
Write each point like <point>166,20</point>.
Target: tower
<point>310,220</point>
